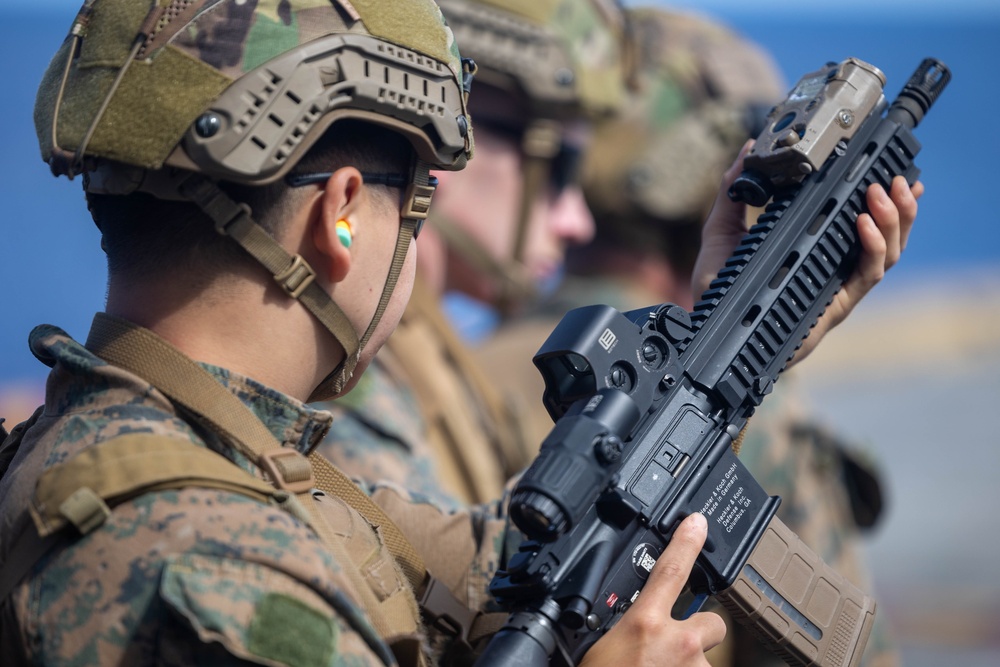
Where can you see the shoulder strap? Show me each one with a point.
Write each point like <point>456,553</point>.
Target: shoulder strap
<point>189,385</point>
<point>483,444</point>
<point>82,489</point>
<point>79,490</point>
<point>186,383</point>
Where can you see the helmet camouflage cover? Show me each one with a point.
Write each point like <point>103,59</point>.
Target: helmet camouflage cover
<point>696,92</point>
<point>169,97</point>
<point>265,78</point>
<point>553,62</point>
<point>562,57</point>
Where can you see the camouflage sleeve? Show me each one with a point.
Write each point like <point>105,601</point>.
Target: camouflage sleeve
<point>189,577</point>
<point>251,611</point>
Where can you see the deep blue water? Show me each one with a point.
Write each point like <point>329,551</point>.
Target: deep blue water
<point>52,270</point>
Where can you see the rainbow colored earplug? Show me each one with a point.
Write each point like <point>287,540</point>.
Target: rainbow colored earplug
<point>344,233</point>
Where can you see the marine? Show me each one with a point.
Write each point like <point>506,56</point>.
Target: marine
<point>166,504</point>
<point>426,416</point>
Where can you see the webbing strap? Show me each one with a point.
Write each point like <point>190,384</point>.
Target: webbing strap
<point>442,609</point>
<point>398,615</point>
<point>509,442</point>
<point>415,208</point>
<point>511,276</point>
<point>130,465</point>
<point>186,383</point>
<point>486,625</point>
<point>406,227</point>
<point>333,481</point>
<point>293,274</point>
<point>145,354</point>
<point>116,470</point>
<point>481,441</point>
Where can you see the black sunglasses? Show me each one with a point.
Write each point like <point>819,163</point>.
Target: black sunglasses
<point>392,180</point>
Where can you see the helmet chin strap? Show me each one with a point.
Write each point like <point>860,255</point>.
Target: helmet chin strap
<point>539,146</point>
<point>511,278</point>
<point>294,275</point>
<point>415,207</point>
<point>514,284</point>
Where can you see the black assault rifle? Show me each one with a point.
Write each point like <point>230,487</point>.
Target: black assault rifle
<point>647,403</point>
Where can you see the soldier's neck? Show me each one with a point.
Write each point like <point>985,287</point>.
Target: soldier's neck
<point>247,328</point>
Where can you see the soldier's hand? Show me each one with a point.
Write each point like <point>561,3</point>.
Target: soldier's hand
<point>883,235</point>
<point>646,635</point>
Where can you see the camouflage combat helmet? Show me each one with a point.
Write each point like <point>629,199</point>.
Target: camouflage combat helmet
<point>170,96</point>
<point>698,91</point>
<point>554,61</point>
<point>562,56</point>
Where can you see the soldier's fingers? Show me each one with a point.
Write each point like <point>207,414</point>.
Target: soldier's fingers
<point>870,269</point>
<point>724,209</point>
<point>886,217</point>
<point>673,567</point>
<point>711,628</point>
<point>735,169</point>
<point>737,166</point>
<point>905,199</point>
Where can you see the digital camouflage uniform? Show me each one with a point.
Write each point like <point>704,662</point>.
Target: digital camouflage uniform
<point>188,576</point>
<point>650,177</point>
<point>133,528</point>
<point>424,415</point>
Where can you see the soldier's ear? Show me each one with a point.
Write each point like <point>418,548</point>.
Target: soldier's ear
<point>337,226</point>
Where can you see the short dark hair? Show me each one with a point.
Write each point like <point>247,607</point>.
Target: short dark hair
<point>145,237</point>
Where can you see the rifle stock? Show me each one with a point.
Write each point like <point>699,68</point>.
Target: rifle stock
<point>647,403</point>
